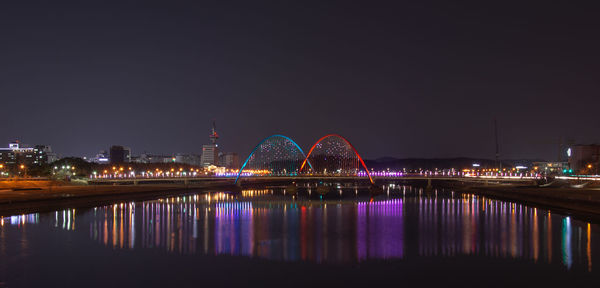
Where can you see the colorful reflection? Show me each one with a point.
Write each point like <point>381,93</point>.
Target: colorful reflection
<point>114,225</point>
<point>477,225</point>
<point>65,219</point>
<point>380,230</point>
<point>347,227</point>
<point>20,220</point>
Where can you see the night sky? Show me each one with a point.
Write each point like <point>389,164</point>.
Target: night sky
<point>414,79</point>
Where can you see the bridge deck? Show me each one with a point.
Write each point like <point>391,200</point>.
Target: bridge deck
<point>301,178</point>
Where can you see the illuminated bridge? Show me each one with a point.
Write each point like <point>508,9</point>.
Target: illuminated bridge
<point>278,155</point>
<point>331,157</point>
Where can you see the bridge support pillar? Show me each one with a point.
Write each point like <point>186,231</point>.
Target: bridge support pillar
<point>486,183</point>
<point>135,182</point>
<point>429,184</point>
<point>186,182</point>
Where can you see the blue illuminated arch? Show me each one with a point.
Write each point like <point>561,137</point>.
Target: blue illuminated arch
<point>261,142</point>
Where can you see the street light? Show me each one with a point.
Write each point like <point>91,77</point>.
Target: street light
<point>22,166</point>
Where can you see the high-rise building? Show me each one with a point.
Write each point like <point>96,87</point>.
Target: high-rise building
<point>210,152</point>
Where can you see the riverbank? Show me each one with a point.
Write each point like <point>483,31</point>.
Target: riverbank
<point>22,200</point>
<point>582,203</point>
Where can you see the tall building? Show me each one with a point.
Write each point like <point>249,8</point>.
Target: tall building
<point>210,152</point>
<point>117,154</point>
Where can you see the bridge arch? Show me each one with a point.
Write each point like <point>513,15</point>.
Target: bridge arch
<point>263,141</point>
<point>347,142</point>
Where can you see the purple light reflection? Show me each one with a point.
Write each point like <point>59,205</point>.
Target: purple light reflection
<point>380,230</point>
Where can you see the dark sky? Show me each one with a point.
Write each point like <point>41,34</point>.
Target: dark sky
<point>411,79</point>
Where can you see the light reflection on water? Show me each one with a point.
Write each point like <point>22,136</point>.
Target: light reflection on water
<point>405,223</point>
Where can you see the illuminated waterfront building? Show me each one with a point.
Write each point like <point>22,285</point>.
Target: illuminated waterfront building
<point>17,153</point>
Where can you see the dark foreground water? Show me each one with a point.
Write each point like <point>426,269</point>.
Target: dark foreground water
<point>267,237</point>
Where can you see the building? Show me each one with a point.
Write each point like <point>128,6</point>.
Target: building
<point>146,158</point>
<point>550,168</point>
<point>584,159</point>
<point>101,158</point>
<point>48,155</point>
<point>127,154</point>
<point>155,158</point>
<point>18,154</point>
<point>229,160</point>
<point>190,159</point>
<point>210,152</point>
<point>119,154</point>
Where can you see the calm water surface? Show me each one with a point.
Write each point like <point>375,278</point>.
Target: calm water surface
<point>270,227</point>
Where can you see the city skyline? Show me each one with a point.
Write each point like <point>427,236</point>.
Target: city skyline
<point>398,79</point>
<point>136,152</point>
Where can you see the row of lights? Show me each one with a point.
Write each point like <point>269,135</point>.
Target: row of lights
<point>119,172</point>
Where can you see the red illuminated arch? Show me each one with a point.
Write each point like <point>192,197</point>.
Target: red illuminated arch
<point>347,142</point>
